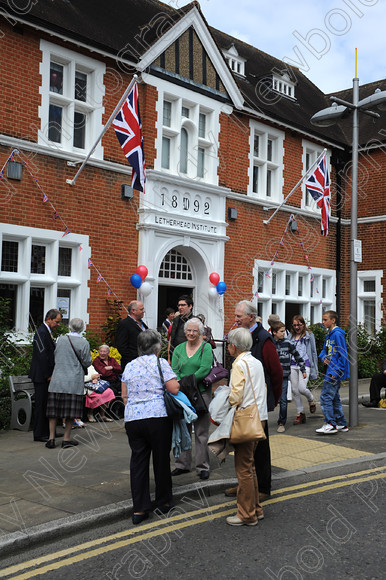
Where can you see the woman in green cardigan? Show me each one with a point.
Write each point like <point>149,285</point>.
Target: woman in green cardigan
<point>195,357</point>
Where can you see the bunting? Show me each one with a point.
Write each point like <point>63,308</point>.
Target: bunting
<point>56,216</point>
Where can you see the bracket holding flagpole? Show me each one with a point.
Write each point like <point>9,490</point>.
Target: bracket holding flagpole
<point>112,117</point>
<point>311,168</point>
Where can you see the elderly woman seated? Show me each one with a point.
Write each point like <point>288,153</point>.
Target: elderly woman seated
<point>96,400</point>
<point>108,368</point>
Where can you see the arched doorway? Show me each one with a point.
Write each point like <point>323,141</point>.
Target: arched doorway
<point>175,277</point>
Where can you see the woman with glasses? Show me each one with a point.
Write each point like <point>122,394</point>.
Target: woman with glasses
<point>304,341</point>
<point>195,357</point>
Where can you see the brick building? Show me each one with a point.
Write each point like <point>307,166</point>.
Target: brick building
<point>227,135</point>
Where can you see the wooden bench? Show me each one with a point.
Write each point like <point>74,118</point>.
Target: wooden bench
<point>22,393</point>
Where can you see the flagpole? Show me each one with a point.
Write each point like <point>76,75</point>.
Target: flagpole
<point>266,222</point>
<point>112,117</point>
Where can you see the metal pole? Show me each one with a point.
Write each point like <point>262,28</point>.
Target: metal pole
<point>112,116</point>
<point>353,389</point>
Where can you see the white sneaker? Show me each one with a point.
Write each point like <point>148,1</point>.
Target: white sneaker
<point>342,428</point>
<point>235,521</point>
<point>281,429</point>
<point>326,429</point>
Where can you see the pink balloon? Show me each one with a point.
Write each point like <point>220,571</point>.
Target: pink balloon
<point>214,278</point>
<point>142,271</point>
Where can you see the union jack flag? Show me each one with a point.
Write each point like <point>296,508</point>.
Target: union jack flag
<point>318,186</point>
<point>128,129</point>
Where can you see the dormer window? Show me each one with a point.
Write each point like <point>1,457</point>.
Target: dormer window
<point>235,61</point>
<point>284,85</point>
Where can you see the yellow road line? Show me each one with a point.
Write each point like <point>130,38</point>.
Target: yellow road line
<point>335,478</point>
<point>139,534</point>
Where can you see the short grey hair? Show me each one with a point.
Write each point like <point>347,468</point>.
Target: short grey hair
<point>248,307</point>
<point>76,325</point>
<point>149,342</point>
<point>197,322</point>
<point>240,338</point>
<point>132,306</point>
<point>273,318</point>
<point>105,346</point>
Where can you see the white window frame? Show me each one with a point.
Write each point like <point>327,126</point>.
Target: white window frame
<point>92,107</point>
<point>313,150</point>
<point>235,61</point>
<point>276,165</point>
<point>198,104</point>
<point>77,283</point>
<point>376,296</point>
<point>283,85</point>
<point>306,301</point>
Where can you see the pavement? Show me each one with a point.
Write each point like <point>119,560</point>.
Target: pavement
<point>48,493</point>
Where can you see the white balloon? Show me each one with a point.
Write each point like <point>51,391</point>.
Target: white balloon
<point>212,292</point>
<point>146,288</point>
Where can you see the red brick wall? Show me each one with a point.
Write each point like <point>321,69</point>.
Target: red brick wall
<point>94,207</point>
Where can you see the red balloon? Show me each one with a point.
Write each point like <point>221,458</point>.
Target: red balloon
<point>214,278</point>
<point>143,271</point>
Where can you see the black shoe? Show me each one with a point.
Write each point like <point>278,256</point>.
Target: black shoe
<point>164,509</point>
<point>178,471</point>
<point>138,518</point>
<point>57,435</point>
<point>370,404</point>
<point>51,444</point>
<point>41,439</point>
<point>71,443</point>
<point>204,474</point>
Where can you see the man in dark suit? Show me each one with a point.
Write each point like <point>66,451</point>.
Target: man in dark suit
<point>42,365</point>
<point>127,332</point>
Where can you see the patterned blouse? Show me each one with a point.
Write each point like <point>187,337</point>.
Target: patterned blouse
<point>144,388</point>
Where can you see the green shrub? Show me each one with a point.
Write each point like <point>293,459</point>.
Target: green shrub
<point>371,348</point>
<point>110,327</point>
<point>14,360</point>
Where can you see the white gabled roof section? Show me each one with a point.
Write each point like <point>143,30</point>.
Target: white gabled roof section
<point>194,18</point>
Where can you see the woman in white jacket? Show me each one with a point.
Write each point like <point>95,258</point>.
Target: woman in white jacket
<point>249,510</point>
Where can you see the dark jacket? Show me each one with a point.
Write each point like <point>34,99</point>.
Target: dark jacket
<point>43,360</point>
<point>264,349</point>
<point>177,335</point>
<point>126,339</point>
<point>286,350</point>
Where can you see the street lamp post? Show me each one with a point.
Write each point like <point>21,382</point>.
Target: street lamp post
<point>325,118</point>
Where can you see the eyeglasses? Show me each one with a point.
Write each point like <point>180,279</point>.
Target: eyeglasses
<point>192,331</point>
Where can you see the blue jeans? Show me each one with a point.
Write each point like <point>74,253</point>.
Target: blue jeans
<point>283,403</point>
<point>330,402</point>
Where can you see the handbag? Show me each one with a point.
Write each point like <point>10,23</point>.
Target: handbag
<point>98,387</point>
<point>246,424</point>
<point>216,373</point>
<point>188,386</point>
<point>78,357</point>
<point>173,408</point>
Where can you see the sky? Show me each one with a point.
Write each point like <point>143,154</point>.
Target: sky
<point>318,37</point>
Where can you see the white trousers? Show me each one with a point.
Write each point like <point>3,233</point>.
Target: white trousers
<point>299,387</point>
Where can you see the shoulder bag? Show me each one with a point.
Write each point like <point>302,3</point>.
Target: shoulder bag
<point>246,424</point>
<point>173,408</point>
<point>188,386</point>
<point>216,373</point>
<point>77,356</point>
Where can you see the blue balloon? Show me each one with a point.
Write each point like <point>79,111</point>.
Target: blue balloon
<point>221,288</point>
<point>136,280</point>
